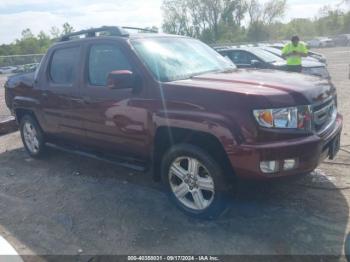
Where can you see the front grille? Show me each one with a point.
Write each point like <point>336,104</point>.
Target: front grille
<point>324,115</point>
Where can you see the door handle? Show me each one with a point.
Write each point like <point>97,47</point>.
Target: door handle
<point>83,100</point>
<point>78,100</point>
<point>87,100</point>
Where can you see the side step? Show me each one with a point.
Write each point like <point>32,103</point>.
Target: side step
<point>128,163</point>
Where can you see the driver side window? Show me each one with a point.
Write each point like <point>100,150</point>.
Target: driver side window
<point>103,59</point>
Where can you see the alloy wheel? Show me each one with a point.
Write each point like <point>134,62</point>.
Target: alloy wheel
<point>31,138</point>
<point>191,183</point>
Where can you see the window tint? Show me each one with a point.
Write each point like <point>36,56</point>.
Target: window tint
<point>63,63</point>
<point>242,57</point>
<point>171,59</point>
<point>104,59</point>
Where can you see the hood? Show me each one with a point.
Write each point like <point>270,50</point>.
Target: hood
<point>271,84</point>
<point>312,63</point>
<point>310,58</point>
<point>307,62</point>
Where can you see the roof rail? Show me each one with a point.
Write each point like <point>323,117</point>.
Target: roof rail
<point>112,30</point>
<point>140,29</point>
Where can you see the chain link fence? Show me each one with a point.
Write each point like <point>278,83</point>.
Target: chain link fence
<point>19,60</point>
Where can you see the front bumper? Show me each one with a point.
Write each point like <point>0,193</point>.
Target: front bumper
<point>310,152</point>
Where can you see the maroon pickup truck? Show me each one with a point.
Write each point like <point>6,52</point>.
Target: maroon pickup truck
<point>174,106</point>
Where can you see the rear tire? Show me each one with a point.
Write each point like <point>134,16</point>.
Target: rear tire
<point>195,181</point>
<point>32,136</point>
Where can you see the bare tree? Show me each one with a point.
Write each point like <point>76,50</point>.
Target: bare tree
<point>262,16</point>
<point>254,11</point>
<point>176,17</point>
<point>55,32</point>
<point>196,17</point>
<point>234,11</point>
<point>274,9</point>
<point>266,13</point>
<point>27,33</point>
<point>214,9</point>
<point>67,28</point>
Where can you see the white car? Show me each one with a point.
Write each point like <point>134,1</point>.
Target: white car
<point>321,42</point>
<point>7,69</point>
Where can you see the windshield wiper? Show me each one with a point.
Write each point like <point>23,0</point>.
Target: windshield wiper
<point>229,70</point>
<point>204,72</point>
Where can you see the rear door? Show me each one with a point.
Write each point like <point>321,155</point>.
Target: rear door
<point>59,93</point>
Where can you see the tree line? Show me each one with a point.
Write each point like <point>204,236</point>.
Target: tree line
<point>212,21</point>
<point>31,44</point>
<point>215,21</point>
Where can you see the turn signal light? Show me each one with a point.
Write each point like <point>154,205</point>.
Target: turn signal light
<point>270,167</point>
<point>289,164</point>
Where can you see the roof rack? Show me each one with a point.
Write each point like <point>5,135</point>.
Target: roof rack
<point>111,30</point>
<point>140,29</point>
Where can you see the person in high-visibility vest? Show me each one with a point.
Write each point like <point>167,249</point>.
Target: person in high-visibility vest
<point>293,52</point>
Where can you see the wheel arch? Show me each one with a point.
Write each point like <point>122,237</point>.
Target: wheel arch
<point>21,112</point>
<point>167,136</point>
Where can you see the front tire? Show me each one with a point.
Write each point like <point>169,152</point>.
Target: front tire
<point>195,181</point>
<point>32,136</point>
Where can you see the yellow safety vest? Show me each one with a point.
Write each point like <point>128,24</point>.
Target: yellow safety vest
<point>294,59</point>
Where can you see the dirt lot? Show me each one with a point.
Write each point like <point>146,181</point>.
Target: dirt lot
<point>66,204</point>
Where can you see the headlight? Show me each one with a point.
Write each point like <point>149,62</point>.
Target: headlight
<point>317,71</point>
<point>290,117</point>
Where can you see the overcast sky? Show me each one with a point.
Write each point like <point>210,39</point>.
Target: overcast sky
<point>16,15</point>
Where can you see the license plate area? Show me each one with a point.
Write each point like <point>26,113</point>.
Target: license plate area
<point>334,147</point>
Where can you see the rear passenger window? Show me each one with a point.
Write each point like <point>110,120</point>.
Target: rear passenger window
<point>63,63</point>
<point>104,59</point>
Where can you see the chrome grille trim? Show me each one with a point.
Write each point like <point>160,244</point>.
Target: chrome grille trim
<point>324,115</point>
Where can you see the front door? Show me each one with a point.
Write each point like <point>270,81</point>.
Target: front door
<point>114,119</point>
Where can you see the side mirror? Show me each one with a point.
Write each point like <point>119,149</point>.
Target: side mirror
<point>256,63</point>
<point>121,79</point>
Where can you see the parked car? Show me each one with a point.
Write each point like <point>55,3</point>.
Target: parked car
<point>310,65</point>
<point>320,57</point>
<point>278,52</point>
<point>321,42</point>
<point>257,57</point>
<point>172,105</point>
<point>27,68</point>
<point>342,40</point>
<point>7,69</point>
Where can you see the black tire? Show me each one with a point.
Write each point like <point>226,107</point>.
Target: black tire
<point>218,202</point>
<point>40,147</point>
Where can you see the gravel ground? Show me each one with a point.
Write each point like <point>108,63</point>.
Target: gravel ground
<point>65,204</point>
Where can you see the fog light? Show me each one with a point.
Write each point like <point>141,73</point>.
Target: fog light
<point>269,167</point>
<point>289,164</point>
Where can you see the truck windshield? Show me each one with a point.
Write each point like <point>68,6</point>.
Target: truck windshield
<point>171,59</point>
